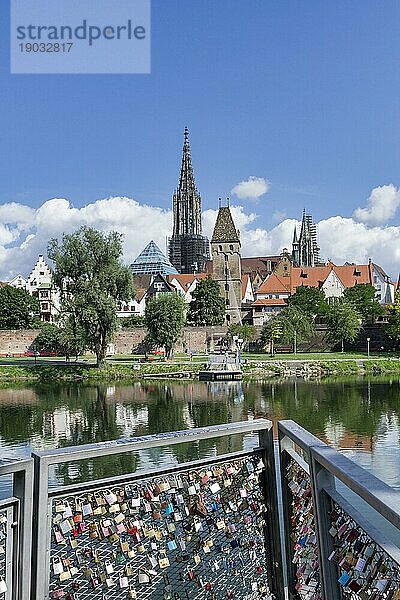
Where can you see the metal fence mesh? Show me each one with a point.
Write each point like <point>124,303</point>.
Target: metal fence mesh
<point>303,536</point>
<point>192,534</point>
<point>3,552</point>
<point>365,570</point>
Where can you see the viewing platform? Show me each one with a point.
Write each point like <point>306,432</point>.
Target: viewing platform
<point>222,367</point>
<point>285,519</point>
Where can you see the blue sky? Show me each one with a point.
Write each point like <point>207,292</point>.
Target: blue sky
<point>305,94</point>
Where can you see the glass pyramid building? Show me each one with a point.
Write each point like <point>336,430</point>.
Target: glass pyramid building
<point>151,261</point>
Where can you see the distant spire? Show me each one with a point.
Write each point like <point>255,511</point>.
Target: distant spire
<point>227,202</point>
<point>186,181</point>
<point>295,240</point>
<point>219,202</point>
<point>188,248</point>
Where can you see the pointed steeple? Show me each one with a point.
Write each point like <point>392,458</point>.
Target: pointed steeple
<point>186,181</point>
<point>188,248</point>
<point>187,200</point>
<point>224,229</point>
<point>295,240</point>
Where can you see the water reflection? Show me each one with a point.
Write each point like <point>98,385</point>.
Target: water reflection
<point>359,416</point>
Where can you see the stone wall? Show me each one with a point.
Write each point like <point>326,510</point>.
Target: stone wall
<point>16,341</point>
<point>195,339</point>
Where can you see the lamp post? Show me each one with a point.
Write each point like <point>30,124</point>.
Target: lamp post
<point>368,341</point>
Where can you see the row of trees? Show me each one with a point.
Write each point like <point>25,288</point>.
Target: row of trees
<point>343,318</point>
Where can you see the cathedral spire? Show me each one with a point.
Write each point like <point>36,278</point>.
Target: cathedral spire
<point>188,248</point>
<point>186,182</point>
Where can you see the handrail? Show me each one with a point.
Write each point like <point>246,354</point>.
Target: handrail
<point>62,455</point>
<point>374,491</point>
<point>300,436</point>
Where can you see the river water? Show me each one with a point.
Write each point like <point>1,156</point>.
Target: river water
<point>359,417</point>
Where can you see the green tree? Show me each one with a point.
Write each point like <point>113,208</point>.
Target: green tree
<point>246,332</point>
<point>309,300</point>
<point>72,338</point>
<point>49,338</point>
<point>344,323</point>
<point>132,322</point>
<point>393,328</point>
<point>362,296</point>
<point>89,272</point>
<point>165,317</point>
<point>18,309</point>
<point>289,326</point>
<point>207,306</point>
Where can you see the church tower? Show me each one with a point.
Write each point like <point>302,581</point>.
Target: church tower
<point>225,249</point>
<point>188,248</point>
<point>305,249</point>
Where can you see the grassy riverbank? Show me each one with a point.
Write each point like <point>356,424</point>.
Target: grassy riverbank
<point>112,372</point>
<point>128,371</point>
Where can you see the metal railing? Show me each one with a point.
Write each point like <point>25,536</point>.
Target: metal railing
<point>208,528</point>
<point>204,527</point>
<point>15,530</point>
<point>332,550</point>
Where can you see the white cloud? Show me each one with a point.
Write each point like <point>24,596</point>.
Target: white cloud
<point>24,232</point>
<point>381,206</point>
<point>251,189</point>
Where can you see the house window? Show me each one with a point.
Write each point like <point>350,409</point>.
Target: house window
<point>45,306</point>
<point>41,273</point>
<point>231,247</point>
<point>227,302</point>
<point>220,248</point>
<point>227,287</point>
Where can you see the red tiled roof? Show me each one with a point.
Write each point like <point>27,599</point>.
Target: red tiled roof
<point>349,275</point>
<point>270,302</point>
<point>259,264</point>
<point>309,276</point>
<point>245,281</point>
<point>274,285</point>
<point>185,280</point>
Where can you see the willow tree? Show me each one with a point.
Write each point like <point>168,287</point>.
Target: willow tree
<point>90,273</point>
